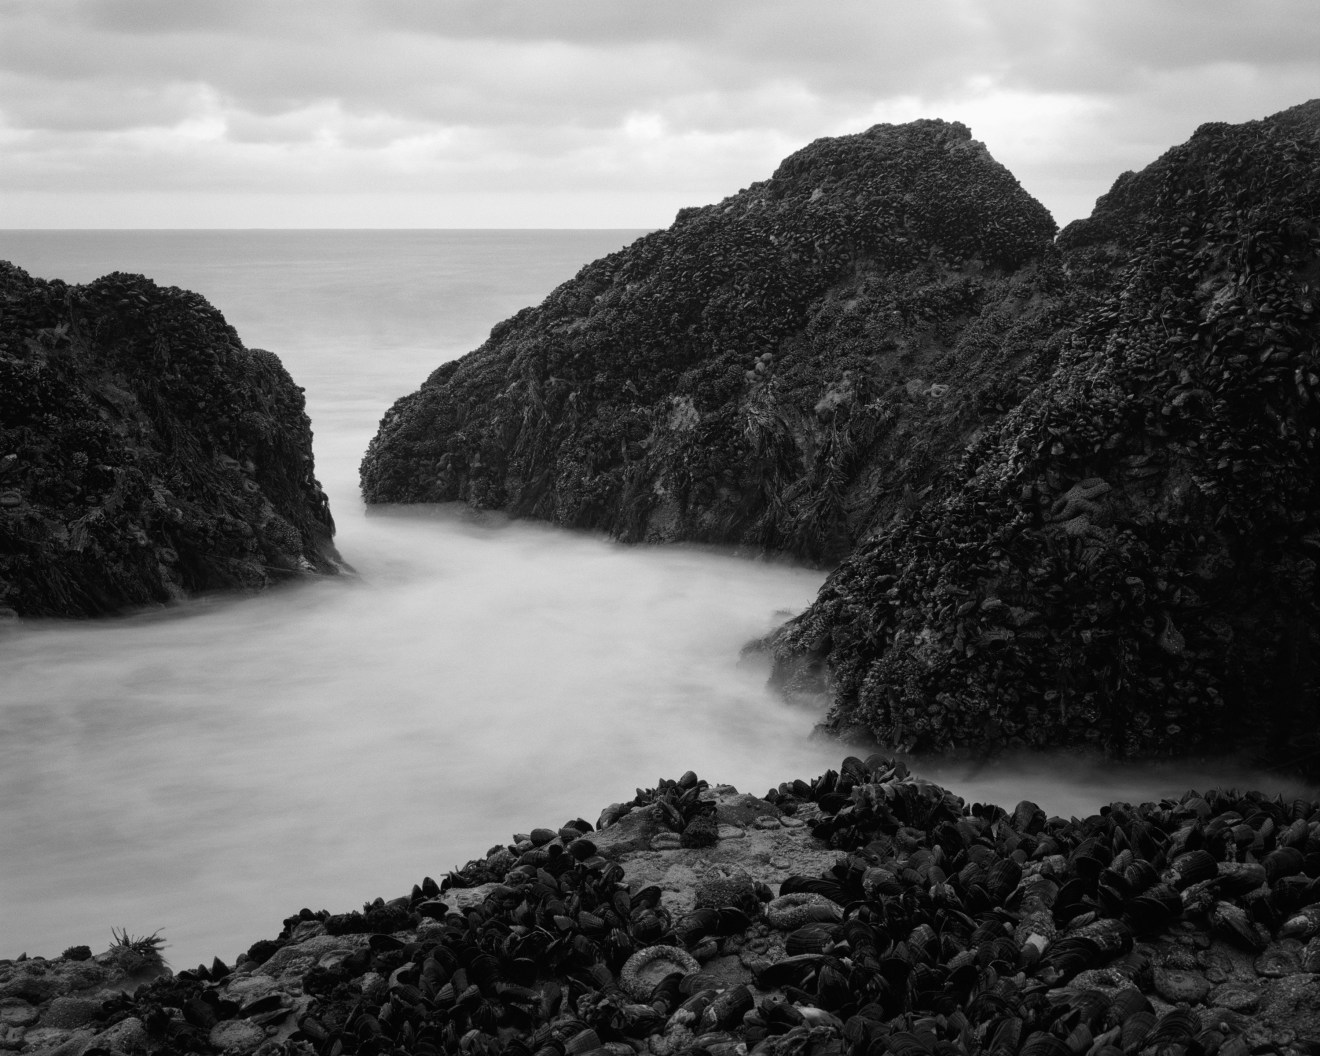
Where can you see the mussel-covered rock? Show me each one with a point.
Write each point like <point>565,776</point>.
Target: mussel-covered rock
<point>145,453</point>
<point>733,377</point>
<point>1093,570</point>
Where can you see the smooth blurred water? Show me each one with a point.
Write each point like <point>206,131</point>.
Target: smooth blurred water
<point>208,769</point>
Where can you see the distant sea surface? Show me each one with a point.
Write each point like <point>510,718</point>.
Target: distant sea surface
<point>208,769</point>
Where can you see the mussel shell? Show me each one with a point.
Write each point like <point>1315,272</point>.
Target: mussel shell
<point>1125,1003</point>
<point>905,1043</point>
<point>583,1042</point>
<point>1304,924</point>
<point>1311,956</point>
<point>793,885</point>
<point>1154,909</point>
<point>1283,861</point>
<point>791,971</point>
<point>692,927</point>
<point>1072,900</point>
<point>1136,1029</point>
<point>1178,1026</point>
<point>1192,867</point>
<point>853,772</point>
<point>541,836</point>
<point>1042,1043</point>
<point>1232,924</point>
<point>1090,857</point>
<point>726,1010</point>
<point>1140,875</point>
<point>1002,877</point>
<point>648,897</point>
<point>811,938</point>
<point>833,989</point>
<point>1005,1035</point>
<point>1237,878</point>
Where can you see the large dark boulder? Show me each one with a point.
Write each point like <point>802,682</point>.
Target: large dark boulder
<point>1127,559</point>
<point>145,453</point>
<point>779,369</point>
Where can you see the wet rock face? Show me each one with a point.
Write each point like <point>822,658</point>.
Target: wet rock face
<point>1127,558</point>
<point>770,370</point>
<point>145,453</point>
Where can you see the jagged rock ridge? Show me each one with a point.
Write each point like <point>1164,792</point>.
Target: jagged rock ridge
<point>740,377</point>
<point>145,453</point>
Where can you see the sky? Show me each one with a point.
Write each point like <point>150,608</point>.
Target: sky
<point>589,113</point>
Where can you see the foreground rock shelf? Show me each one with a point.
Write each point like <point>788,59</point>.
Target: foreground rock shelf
<point>867,911</point>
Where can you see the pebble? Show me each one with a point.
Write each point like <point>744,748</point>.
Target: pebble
<point>731,832</point>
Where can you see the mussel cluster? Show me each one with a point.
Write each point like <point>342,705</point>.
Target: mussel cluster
<point>940,929</point>
<point>685,816</point>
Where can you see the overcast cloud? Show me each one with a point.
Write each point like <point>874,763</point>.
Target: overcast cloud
<point>588,113</point>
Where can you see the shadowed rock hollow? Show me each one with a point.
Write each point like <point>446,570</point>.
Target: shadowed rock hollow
<point>145,453</point>
<point>1075,480</point>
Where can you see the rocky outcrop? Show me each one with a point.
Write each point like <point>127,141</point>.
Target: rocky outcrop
<point>1075,482</point>
<point>1127,558</point>
<point>145,453</point>
<point>865,911</point>
<point>780,369</point>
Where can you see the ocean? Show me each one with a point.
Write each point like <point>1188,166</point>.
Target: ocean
<point>207,769</point>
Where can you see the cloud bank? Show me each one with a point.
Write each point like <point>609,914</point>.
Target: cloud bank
<point>569,113</point>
